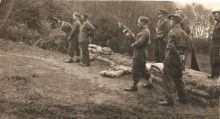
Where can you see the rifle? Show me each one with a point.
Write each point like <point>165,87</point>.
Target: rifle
<point>126,30</point>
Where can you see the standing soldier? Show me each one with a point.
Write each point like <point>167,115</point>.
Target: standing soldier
<point>140,54</point>
<point>73,48</point>
<point>162,29</point>
<point>215,47</point>
<point>86,33</point>
<point>185,25</point>
<point>172,72</point>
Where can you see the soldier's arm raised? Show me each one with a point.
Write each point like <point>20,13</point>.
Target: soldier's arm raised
<point>142,40</point>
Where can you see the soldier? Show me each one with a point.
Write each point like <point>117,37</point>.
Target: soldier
<point>162,30</point>
<point>215,47</point>
<point>140,54</point>
<point>73,48</point>
<point>185,25</point>
<point>172,72</point>
<point>86,34</point>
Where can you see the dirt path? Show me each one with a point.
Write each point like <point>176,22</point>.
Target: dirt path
<point>37,84</point>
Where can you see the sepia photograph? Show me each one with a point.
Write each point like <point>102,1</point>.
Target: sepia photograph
<point>109,59</point>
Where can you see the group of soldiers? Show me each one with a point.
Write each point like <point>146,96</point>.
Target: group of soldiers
<point>172,43</point>
<point>80,35</point>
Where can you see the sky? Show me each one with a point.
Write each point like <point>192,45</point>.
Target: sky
<point>211,4</point>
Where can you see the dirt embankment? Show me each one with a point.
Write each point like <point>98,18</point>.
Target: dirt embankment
<point>35,83</point>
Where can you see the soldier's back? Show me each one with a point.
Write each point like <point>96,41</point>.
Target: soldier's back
<point>179,36</point>
<point>216,35</point>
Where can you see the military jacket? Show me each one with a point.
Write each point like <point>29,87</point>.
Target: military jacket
<point>75,29</point>
<point>162,28</point>
<point>185,25</point>
<point>177,37</point>
<point>216,35</point>
<point>85,31</point>
<point>140,45</point>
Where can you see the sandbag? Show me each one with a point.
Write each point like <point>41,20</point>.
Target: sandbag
<point>113,74</point>
<point>106,51</point>
<point>95,48</point>
<point>126,69</point>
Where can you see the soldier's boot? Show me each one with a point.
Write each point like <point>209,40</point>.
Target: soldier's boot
<point>83,64</point>
<point>213,77</point>
<point>132,88</point>
<point>210,77</point>
<point>70,60</point>
<point>149,84</point>
<point>76,59</point>
<point>167,102</point>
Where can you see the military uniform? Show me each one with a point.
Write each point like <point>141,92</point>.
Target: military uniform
<point>140,55</point>
<point>86,32</point>
<point>162,30</point>
<point>185,25</point>
<point>172,72</point>
<point>141,40</point>
<point>66,27</point>
<point>73,48</point>
<point>215,51</point>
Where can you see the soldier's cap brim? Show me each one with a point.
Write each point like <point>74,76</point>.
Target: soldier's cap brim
<point>76,14</point>
<point>144,18</point>
<point>217,11</point>
<point>175,17</point>
<point>85,15</point>
<point>162,12</point>
<point>178,9</point>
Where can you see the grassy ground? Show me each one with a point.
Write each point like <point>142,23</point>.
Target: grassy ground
<point>37,84</point>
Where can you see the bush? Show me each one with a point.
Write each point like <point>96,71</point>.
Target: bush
<point>21,33</point>
<point>55,41</point>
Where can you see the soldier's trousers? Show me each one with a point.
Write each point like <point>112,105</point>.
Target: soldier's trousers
<point>85,52</point>
<point>183,55</point>
<point>160,47</point>
<point>139,70</point>
<point>73,48</point>
<point>215,61</point>
<point>172,76</point>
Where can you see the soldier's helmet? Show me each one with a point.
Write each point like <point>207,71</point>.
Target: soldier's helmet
<point>180,13</point>
<point>175,17</point>
<point>144,19</point>
<point>86,16</point>
<point>162,12</point>
<point>76,14</point>
<point>214,12</point>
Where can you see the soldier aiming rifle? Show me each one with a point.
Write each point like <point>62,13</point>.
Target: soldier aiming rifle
<point>139,45</point>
